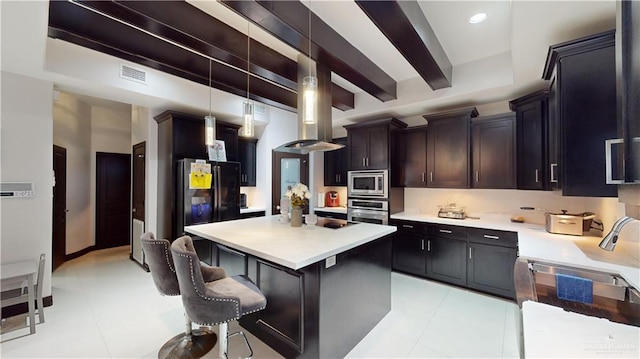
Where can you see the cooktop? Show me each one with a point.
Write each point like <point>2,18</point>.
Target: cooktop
<point>333,223</point>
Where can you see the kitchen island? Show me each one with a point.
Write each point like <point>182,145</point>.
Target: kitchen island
<point>326,288</point>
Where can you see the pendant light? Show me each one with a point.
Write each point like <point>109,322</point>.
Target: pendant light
<point>309,89</point>
<point>247,106</point>
<point>209,120</point>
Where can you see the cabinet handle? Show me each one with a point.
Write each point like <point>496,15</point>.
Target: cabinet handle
<point>552,170</point>
<point>422,245</point>
<point>477,176</point>
<point>445,231</point>
<point>470,253</point>
<point>491,237</point>
<point>423,175</point>
<point>364,162</point>
<point>429,245</point>
<point>367,161</point>
<point>407,226</point>
<point>608,144</point>
<point>537,179</point>
<point>431,176</point>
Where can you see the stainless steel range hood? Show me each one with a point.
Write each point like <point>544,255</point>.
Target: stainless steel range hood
<point>319,136</point>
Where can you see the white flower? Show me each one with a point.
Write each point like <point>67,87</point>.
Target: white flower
<point>299,195</point>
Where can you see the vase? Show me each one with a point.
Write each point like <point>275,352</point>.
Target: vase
<point>296,216</point>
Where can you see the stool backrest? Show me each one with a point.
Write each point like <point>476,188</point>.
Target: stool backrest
<point>158,258</point>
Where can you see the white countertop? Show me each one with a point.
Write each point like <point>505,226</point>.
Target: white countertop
<point>252,209</point>
<point>550,331</point>
<point>342,210</point>
<point>292,247</point>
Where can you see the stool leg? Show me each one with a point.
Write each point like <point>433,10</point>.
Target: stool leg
<point>223,330</point>
<point>32,305</point>
<point>40,305</point>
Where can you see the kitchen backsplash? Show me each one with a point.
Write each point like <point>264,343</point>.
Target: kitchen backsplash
<point>479,202</point>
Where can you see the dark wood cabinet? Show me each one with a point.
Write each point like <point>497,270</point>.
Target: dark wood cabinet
<point>247,151</point>
<point>414,142</point>
<point>448,148</point>
<point>409,247</point>
<point>370,144</point>
<point>532,165</point>
<point>493,152</point>
<point>335,165</point>
<point>181,135</point>
<point>492,255</point>
<point>582,104</point>
<point>233,262</point>
<point>446,249</point>
<point>203,248</point>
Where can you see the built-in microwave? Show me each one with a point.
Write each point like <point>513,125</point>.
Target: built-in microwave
<point>368,183</point>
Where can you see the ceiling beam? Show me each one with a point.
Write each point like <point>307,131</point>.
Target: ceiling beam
<point>195,32</point>
<point>405,25</point>
<point>289,22</point>
<point>341,98</point>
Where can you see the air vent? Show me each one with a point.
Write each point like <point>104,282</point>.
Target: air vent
<point>133,74</point>
<point>259,109</point>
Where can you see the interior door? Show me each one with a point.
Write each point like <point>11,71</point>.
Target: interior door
<point>113,191</point>
<point>59,238</point>
<point>137,201</point>
<point>288,169</point>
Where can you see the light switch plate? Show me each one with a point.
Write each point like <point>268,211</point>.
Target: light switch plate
<point>330,262</point>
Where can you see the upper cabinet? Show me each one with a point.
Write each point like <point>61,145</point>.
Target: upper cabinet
<point>493,152</point>
<point>414,142</point>
<point>448,148</point>
<point>335,165</point>
<point>370,144</point>
<point>247,151</point>
<point>582,113</point>
<point>531,140</point>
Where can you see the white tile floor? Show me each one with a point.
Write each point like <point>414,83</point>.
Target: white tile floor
<point>106,306</point>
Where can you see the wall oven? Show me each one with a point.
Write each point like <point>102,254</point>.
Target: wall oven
<point>368,183</point>
<point>368,211</point>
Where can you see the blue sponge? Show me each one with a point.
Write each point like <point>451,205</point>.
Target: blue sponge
<point>575,289</point>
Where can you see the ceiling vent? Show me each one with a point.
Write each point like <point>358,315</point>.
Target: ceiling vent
<point>133,74</point>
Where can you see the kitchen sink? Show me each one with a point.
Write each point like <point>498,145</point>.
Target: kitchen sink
<point>613,297</point>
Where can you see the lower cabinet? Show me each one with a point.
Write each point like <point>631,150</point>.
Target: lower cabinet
<point>233,262</point>
<point>480,259</point>
<point>203,249</point>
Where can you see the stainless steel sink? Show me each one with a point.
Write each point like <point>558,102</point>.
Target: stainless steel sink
<point>613,297</point>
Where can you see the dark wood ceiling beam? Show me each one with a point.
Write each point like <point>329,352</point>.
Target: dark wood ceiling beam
<point>405,25</point>
<point>289,21</point>
<point>341,98</point>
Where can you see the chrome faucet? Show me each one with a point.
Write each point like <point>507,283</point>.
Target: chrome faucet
<point>608,243</point>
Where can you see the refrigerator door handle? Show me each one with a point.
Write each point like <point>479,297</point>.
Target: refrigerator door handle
<point>218,193</point>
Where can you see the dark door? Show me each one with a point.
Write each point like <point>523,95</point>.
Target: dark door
<point>490,269</point>
<point>415,164</point>
<point>358,148</point>
<point>248,151</point>
<point>448,153</point>
<point>447,260</point>
<point>493,154</point>
<point>532,171</point>
<point>113,196</point>
<point>288,169</point>
<point>378,148</point>
<point>59,240</point>
<point>409,253</point>
<point>335,165</point>
<point>137,197</point>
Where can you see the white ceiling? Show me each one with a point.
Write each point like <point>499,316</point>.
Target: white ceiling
<point>494,61</point>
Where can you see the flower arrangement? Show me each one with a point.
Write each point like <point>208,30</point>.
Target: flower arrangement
<point>299,195</point>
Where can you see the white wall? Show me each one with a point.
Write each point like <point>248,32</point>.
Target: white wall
<point>26,132</point>
<point>72,130</point>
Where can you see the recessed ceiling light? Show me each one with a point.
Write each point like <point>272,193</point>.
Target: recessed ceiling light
<point>477,18</point>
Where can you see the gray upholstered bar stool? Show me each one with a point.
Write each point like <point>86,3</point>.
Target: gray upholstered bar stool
<point>217,301</point>
<point>193,343</point>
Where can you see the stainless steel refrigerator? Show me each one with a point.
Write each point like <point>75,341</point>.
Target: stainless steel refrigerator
<point>220,202</point>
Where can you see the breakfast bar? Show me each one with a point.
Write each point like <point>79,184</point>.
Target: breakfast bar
<point>326,288</point>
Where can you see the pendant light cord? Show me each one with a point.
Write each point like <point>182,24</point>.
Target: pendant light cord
<point>248,55</point>
<point>309,38</point>
<point>209,87</point>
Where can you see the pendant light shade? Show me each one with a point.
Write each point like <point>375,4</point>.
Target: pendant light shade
<point>209,120</point>
<point>247,106</point>
<point>247,115</point>
<point>309,100</point>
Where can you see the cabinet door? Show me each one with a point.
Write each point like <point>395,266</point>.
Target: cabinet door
<point>228,134</point>
<point>490,269</point>
<point>553,174</point>
<point>247,150</point>
<point>378,148</point>
<point>530,146</point>
<point>446,260</point>
<point>409,253</point>
<point>233,262</point>
<point>335,165</point>
<point>415,159</point>
<point>358,142</point>
<point>448,153</point>
<point>493,154</point>
<point>203,249</point>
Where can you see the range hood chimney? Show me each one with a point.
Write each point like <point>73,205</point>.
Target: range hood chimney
<point>318,136</point>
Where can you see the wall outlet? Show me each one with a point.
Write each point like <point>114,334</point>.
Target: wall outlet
<point>330,262</point>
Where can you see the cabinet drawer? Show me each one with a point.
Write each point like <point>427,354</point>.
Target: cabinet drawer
<point>447,231</point>
<point>410,226</point>
<point>493,237</point>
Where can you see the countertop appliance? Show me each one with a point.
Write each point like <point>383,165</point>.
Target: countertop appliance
<point>332,199</point>
<point>368,183</point>
<point>567,223</point>
<point>220,202</point>
<point>243,200</point>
